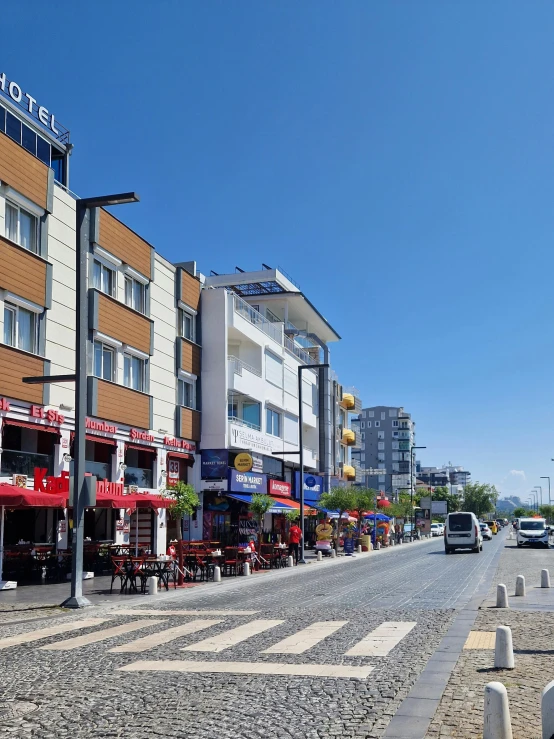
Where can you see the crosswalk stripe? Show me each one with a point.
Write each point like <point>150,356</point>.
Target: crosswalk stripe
<point>151,612</point>
<point>233,636</point>
<point>31,636</point>
<point>163,637</point>
<point>249,668</point>
<point>380,641</point>
<point>306,639</point>
<point>95,636</point>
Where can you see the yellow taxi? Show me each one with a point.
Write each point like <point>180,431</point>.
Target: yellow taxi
<point>493,526</point>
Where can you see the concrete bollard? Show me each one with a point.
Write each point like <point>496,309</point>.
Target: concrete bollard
<point>152,585</point>
<point>545,580</point>
<point>319,556</point>
<point>359,549</point>
<point>547,711</point>
<point>502,597</point>
<point>520,585</point>
<point>290,562</point>
<point>333,553</point>
<point>217,574</point>
<point>503,649</point>
<point>496,716</point>
<point>246,568</point>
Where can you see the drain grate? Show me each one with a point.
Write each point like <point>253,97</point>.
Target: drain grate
<point>16,709</point>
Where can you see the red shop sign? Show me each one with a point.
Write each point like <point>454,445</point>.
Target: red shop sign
<point>276,487</point>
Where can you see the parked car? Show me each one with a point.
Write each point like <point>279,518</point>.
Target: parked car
<point>487,533</point>
<point>500,523</point>
<point>532,531</point>
<point>462,531</point>
<point>492,526</point>
<point>437,529</point>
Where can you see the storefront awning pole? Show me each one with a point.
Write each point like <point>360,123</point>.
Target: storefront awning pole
<point>1,542</point>
<point>136,532</point>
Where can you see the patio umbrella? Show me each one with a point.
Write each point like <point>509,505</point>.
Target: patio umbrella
<point>14,497</point>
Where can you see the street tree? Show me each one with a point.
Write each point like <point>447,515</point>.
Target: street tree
<point>480,498</point>
<point>340,500</point>
<point>519,512</point>
<point>364,501</point>
<point>547,511</point>
<point>453,502</point>
<point>184,501</point>
<point>259,506</point>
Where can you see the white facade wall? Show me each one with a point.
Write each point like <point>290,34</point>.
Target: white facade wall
<point>162,363</point>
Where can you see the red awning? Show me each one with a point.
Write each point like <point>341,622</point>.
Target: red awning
<point>13,497</point>
<point>149,501</point>
<point>141,448</point>
<point>106,500</point>
<point>101,440</point>
<point>180,455</point>
<point>291,503</point>
<point>29,425</point>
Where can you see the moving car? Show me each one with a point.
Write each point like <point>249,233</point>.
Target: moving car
<point>487,533</point>
<point>492,526</point>
<point>437,529</point>
<point>462,531</point>
<point>532,531</point>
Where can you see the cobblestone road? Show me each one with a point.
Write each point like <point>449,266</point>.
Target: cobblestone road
<point>274,676</point>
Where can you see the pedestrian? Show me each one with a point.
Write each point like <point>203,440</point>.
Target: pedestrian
<point>295,536</point>
<point>398,533</point>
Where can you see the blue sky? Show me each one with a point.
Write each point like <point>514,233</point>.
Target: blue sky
<point>395,158</point>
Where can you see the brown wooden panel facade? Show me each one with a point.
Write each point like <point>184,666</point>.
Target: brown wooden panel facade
<point>123,323</point>
<point>22,272</point>
<point>121,404</point>
<point>190,290</point>
<point>123,243</point>
<point>190,357</point>
<point>14,365</point>
<point>190,424</point>
<point>24,172</point>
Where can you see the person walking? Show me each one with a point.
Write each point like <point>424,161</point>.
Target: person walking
<point>295,536</point>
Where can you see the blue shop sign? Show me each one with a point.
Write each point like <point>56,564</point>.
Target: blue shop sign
<point>313,487</point>
<point>214,464</point>
<point>247,482</point>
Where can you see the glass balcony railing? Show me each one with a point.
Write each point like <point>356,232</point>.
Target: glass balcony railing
<point>24,463</point>
<point>273,330</point>
<point>242,422</point>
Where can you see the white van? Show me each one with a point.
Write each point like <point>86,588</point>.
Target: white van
<point>462,531</point>
<point>532,531</point>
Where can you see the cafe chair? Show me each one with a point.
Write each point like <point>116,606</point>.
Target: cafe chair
<point>119,570</point>
<point>231,561</point>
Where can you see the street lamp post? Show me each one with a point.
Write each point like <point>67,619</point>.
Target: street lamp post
<point>412,487</point>
<point>540,488</point>
<point>545,477</point>
<point>535,499</point>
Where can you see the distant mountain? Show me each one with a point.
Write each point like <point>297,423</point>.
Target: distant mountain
<point>509,504</point>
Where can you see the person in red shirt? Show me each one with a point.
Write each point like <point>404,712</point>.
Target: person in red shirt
<point>295,536</point>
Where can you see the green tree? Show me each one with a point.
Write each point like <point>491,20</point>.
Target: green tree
<point>453,502</point>
<point>338,499</point>
<point>480,498</point>
<point>260,505</point>
<point>184,501</point>
<point>292,515</point>
<point>402,509</point>
<point>364,501</point>
<point>519,512</point>
<point>547,511</point>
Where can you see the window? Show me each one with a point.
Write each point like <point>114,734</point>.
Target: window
<point>21,227</point>
<point>370,414</point>
<point>133,372</point>
<point>20,328</point>
<point>395,424</point>
<point>362,425</point>
<point>393,412</point>
<point>186,394</point>
<point>187,325</point>
<point>103,278</point>
<point>380,434</point>
<point>395,457</point>
<point>383,415</point>
<point>232,408</point>
<point>273,422</point>
<point>363,436</point>
<point>395,434</point>
<point>369,424</point>
<point>381,445</point>
<point>274,372</point>
<point>251,414</point>
<point>291,382</point>
<point>104,361</point>
<point>395,445</point>
<point>382,479</point>
<point>134,294</point>
<point>291,428</point>
<point>377,424</point>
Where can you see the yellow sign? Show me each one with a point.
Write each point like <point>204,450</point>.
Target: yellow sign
<point>243,462</point>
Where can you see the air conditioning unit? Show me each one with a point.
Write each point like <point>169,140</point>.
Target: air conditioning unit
<point>20,481</point>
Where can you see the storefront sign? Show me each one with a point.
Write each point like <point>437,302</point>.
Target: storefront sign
<point>100,426</point>
<point>51,415</point>
<point>276,487</point>
<point>138,435</point>
<point>257,463</point>
<point>310,481</point>
<point>313,486</point>
<point>44,483</point>
<point>173,471</point>
<point>243,462</point>
<point>247,482</point>
<point>214,464</point>
<point>4,405</point>
<point>28,103</point>
<point>245,438</point>
<point>109,488</point>
<point>179,443</point>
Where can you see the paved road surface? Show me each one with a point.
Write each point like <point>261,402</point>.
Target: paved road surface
<point>328,650</point>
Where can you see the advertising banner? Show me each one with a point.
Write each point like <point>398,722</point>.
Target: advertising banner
<point>214,464</point>
<point>247,482</point>
<point>276,487</point>
<point>313,487</point>
<point>439,508</point>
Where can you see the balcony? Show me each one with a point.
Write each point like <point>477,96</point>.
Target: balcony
<point>349,472</point>
<point>238,366</point>
<point>242,422</point>
<point>348,437</point>
<point>244,379</point>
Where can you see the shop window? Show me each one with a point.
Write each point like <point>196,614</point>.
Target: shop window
<point>21,226</point>
<point>20,328</point>
<point>98,459</point>
<point>187,325</point>
<point>134,294</point>
<point>24,449</point>
<point>103,278</point>
<point>104,361</point>
<point>140,468</point>
<point>133,372</point>
<point>186,392</point>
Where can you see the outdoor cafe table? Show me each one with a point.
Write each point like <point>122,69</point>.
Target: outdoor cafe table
<point>158,567</point>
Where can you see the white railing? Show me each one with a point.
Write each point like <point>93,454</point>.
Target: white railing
<point>241,422</point>
<point>273,330</point>
<point>238,365</point>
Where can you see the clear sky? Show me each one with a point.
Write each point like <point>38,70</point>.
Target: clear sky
<point>396,158</point>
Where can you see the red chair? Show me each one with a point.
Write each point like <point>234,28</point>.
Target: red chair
<point>231,560</point>
<point>119,570</point>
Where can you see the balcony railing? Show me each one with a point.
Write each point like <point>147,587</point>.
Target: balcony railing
<point>299,353</point>
<point>273,330</point>
<point>238,366</point>
<point>241,422</point>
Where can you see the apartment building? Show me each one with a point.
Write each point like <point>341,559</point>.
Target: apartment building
<point>387,436</point>
<point>446,475</point>
<point>143,353</point>
<point>260,334</point>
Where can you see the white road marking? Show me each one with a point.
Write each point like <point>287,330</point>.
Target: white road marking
<point>249,668</point>
<point>163,637</point>
<point>233,636</point>
<point>378,643</point>
<point>151,612</point>
<point>95,636</point>
<point>31,636</point>
<point>306,639</point>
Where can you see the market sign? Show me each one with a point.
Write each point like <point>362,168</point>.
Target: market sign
<point>243,462</point>
<point>214,464</point>
<point>277,487</point>
<point>247,482</point>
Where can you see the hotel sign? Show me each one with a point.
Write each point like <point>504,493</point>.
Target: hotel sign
<point>28,103</point>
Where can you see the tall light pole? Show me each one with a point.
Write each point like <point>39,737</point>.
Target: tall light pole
<point>412,486</point>
<point>545,477</point>
<point>539,488</point>
<point>535,500</point>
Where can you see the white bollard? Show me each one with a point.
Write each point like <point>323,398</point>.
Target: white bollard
<point>503,649</point>
<point>511,534</point>
<point>333,553</point>
<point>496,717</point>
<point>319,556</point>
<point>545,580</point>
<point>290,562</point>
<point>359,549</point>
<point>502,597</point>
<point>152,585</point>
<point>246,568</point>
<point>547,711</point>
<point>217,574</point>
<point>378,545</point>
<point>520,585</point>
